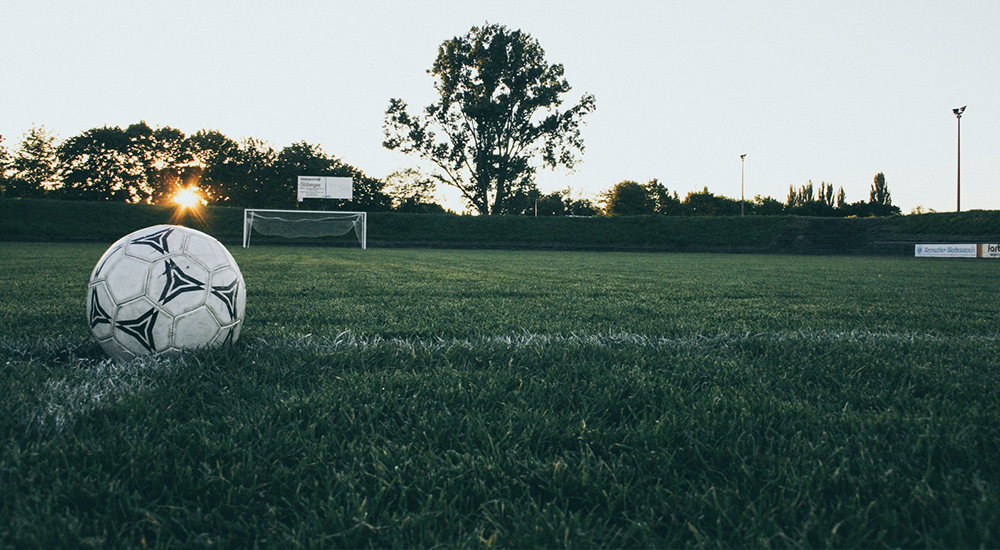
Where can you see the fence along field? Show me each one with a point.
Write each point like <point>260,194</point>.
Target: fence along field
<point>480,398</point>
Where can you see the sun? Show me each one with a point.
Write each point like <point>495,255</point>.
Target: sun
<point>189,198</point>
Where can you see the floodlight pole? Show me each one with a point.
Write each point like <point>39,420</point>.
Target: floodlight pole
<point>958,178</point>
<point>742,157</point>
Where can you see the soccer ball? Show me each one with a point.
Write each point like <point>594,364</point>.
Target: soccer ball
<point>164,289</point>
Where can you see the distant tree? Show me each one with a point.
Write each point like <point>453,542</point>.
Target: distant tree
<point>551,205</point>
<point>663,201</point>
<point>800,197</point>
<point>826,194</point>
<point>858,209</point>
<point>34,165</point>
<point>880,200</point>
<point>805,201</point>
<point>628,198</point>
<point>580,206</point>
<point>767,206</point>
<point>521,201</point>
<point>880,191</point>
<point>562,203</point>
<point>497,116</point>
<point>841,198</point>
<point>706,203</point>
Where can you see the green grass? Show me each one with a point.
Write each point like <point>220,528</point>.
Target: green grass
<point>401,398</point>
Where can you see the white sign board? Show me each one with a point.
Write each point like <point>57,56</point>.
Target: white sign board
<point>323,187</point>
<point>945,251</point>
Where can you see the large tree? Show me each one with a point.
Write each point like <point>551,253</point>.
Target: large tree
<point>497,116</point>
<point>102,164</point>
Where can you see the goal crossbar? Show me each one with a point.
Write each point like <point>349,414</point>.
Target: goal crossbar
<point>304,223</point>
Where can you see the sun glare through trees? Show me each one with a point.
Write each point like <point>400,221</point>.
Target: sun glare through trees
<point>189,198</point>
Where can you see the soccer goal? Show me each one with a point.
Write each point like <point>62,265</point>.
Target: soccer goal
<point>299,224</point>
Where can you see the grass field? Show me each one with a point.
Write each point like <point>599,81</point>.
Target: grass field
<point>415,398</point>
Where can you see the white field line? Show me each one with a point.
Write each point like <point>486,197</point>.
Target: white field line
<point>90,387</point>
<point>97,383</point>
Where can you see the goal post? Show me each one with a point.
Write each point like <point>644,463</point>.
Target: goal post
<point>298,224</point>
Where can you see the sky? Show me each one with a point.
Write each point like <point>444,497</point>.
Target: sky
<point>831,92</point>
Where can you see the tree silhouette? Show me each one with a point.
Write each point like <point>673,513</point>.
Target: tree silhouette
<point>496,117</point>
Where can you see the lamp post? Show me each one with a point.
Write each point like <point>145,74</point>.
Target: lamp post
<point>958,182</point>
<point>742,158</point>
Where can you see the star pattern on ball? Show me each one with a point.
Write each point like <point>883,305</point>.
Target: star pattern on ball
<point>97,314</point>
<point>157,240</point>
<point>227,294</point>
<point>141,328</point>
<point>178,283</point>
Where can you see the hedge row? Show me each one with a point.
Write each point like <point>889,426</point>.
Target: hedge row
<point>54,220</point>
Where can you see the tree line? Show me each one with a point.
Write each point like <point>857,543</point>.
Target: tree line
<point>630,198</point>
<point>139,164</point>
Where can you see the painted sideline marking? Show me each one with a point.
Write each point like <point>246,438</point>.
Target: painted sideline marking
<point>97,383</point>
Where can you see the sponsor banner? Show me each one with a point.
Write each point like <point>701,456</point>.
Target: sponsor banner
<point>989,251</point>
<point>945,250</point>
<point>322,187</point>
<point>311,187</point>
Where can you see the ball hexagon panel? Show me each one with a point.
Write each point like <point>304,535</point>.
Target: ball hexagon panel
<point>209,252</point>
<point>195,329</point>
<point>127,279</point>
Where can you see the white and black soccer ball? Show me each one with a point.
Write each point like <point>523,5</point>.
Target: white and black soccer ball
<point>164,289</point>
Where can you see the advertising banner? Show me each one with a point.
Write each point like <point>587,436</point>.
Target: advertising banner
<point>323,187</point>
<point>945,250</point>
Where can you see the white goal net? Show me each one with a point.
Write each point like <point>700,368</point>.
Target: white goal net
<point>300,224</point>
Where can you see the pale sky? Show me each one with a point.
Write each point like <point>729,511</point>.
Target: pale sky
<point>824,91</point>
